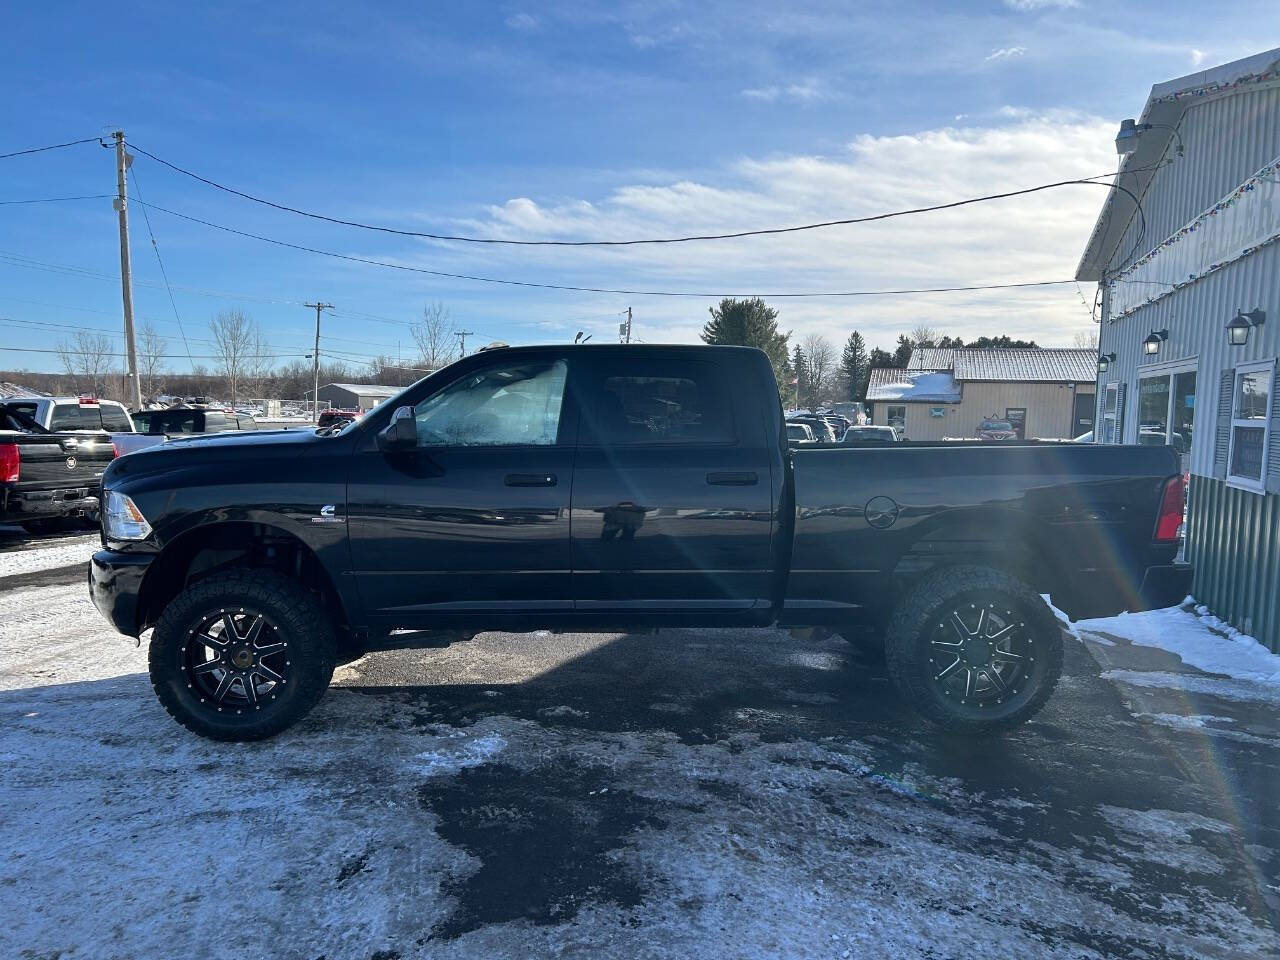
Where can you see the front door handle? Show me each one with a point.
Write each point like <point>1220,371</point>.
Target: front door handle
<point>530,480</point>
<point>745,478</point>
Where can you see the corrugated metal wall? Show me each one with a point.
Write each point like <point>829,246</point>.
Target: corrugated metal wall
<point>1233,538</point>
<point>1233,535</point>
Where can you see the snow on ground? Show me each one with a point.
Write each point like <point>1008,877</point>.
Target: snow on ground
<point>1197,637</point>
<point>50,557</point>
<point>411,825</point>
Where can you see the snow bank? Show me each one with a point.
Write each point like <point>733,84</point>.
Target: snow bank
<point>1198,637</point>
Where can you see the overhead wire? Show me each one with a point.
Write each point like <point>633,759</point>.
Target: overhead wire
<point>766,231</point>
<point>586,289</point>
<point>96,196</point>
<point>163,273</point>
<point>52,146</point>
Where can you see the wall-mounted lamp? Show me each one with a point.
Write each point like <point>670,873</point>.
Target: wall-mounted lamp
<point>1105,360</point>
<point>1240,325</point>
<point>1151,345</point>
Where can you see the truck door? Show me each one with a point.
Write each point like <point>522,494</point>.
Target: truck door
<point>672,493</point>
<point>476,518</point>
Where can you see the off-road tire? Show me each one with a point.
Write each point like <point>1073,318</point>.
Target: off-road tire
<point>298,619</point>
<point>908,648</point>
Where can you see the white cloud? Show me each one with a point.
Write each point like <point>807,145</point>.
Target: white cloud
<point>1005,53</point>
<point>522,21</point>
<point>1026,6</point>
<point>1036,237</point>
<point>807,91</point>
<point>1197,57</point>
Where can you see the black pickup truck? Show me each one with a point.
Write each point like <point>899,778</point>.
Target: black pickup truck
<point>46,476</point>
<point>586,487</point>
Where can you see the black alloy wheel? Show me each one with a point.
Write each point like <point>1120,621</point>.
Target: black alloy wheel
<point>974,649</point>
<point>242,655</point>
<point>236,660</point>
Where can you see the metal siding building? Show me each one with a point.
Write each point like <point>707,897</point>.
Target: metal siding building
<point>1228,121</point>
<point>948,392</point>
<point>355,396</point>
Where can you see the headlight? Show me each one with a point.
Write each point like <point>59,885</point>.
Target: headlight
<point>121,518</point>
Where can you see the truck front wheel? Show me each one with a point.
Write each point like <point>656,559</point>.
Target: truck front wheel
<point>974,650</point>
<point>242,655</point>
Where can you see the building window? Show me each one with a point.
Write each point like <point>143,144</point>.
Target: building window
<point>1250,426</point>
<point>1109,413</point>
<point>1017,416</point>
<point>897,417</point>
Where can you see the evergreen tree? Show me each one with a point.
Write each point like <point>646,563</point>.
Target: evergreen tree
<point>800,373</point>
<point>902,355</point>
<point>853,367</point>
<point>881,358</point>
<point>750,323</point>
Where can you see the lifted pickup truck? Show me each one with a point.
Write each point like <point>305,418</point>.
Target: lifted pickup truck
<point>577,487</point>
<point>45,476</point>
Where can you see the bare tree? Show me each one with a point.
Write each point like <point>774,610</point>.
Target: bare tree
<point>238,347</point>
<point>820,359</point>
<point>87,358</point>
<point>924,335</point>
<point>151,359</point>
<point>1087,338</point>
<point>435,337</point>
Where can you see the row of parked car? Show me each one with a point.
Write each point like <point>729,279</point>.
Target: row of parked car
<point>811,428</point>
<point>53,450</point>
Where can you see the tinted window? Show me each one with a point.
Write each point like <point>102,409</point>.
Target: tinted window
<point>507,404</point>
<point>217,422</point>
<point>656,401</point>
<point>114,418</point>
<point>76,416</point>
<point>248,423</point>
<point>175,421</point>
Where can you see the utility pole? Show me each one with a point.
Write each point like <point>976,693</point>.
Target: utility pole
<point>628,336</point>
<point>126,275</point>
<point>462,341</point>
<point>318,306</point>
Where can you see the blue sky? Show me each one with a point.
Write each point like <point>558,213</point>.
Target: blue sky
<point>575,120</point>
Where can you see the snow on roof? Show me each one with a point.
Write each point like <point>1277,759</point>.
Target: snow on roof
<point>366,389</point>
<point>913,386</point>
<point>9,389</point>
<point>1033,365</point>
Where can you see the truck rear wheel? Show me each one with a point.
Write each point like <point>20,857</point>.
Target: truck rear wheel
<point>242,655</point>
<point>974,650</point>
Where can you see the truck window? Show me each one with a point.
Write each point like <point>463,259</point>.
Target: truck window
<point>247,423</point>
<point>216,422</point>
<point>508,404</point>
<point>142,421</point>
<point>114,419</point>
<point>75,416</point>
<point>661,401</point>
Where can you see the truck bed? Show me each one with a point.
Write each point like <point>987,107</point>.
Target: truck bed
<point>1072,520</point>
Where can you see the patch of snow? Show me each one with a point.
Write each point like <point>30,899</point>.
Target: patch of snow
<point>47,558</point>
<point>1242,690</point>
<point>561,711</point>
<point>918,385</point>
<point>1191,635</point>
<point>472,752</point>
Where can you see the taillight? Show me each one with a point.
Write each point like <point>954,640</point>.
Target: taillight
<point>10,463</point>
<point>1172,505</point>
<point>115,449</point>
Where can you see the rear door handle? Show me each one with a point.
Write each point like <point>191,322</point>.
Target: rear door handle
<point>745,478</point>
<point>530,480</point>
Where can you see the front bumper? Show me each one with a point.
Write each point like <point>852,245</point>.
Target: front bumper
<point>115,582</point>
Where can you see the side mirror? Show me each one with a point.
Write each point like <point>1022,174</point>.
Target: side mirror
<point>401,433</point>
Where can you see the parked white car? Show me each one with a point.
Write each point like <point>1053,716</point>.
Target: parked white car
<point>77,415</point>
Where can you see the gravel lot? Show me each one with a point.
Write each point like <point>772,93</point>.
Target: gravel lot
<point>679,794</point>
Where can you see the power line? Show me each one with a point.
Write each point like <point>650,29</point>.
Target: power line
<point>96,196</point>
<point>581,289</point>
<point>163,273</point>
<point>52,146</point>
<point>768,231</point>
